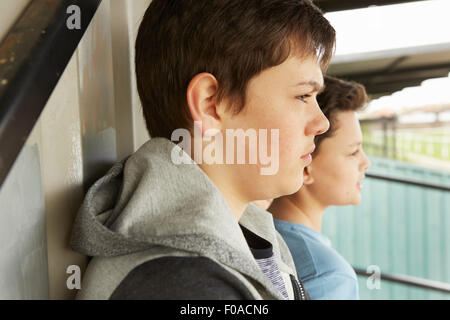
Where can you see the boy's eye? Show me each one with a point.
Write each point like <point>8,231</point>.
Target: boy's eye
<point>304,97</point>
<point>355,153</point>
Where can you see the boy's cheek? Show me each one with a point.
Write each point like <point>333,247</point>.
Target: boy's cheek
<point>293,141</point>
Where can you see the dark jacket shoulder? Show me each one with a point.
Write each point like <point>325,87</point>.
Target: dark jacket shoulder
<point>180,278</point>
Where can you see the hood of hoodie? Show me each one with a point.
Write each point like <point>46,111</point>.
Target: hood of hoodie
<point>147,201</point>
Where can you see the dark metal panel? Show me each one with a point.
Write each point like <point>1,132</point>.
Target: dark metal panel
<point>338,5</point>
<point>33,56</point>
<point>388,71</point>
<point>389,81</point>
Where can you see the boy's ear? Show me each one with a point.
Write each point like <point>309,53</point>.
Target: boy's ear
<point>201,99</point>
<point>307,175</point>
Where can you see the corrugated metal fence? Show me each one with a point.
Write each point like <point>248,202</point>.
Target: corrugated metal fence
<point>400,228</point>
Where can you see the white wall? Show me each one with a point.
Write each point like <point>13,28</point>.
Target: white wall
<point>92,119</point>
<point>23,250</point>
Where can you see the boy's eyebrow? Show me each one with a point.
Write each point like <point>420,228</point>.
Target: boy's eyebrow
<point>316,85</point>
<point>355,144</point>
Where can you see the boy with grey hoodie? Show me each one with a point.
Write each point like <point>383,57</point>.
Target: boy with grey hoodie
<point>173,221</point>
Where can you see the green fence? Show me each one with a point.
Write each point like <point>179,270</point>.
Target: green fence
<point>409,145</point>
<point>400,228</point>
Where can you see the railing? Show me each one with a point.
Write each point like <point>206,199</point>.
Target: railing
<point>33,56</point>
<point>332,5</point>
<point>408,280</point>
<point>409,182</point>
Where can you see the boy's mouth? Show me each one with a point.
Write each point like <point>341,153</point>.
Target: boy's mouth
<point>359,184</point>
<point>308,157</point>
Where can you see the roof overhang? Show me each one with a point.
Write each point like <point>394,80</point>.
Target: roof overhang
<point>385,72</point>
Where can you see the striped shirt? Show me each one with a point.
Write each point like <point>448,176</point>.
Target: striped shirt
<point>262,251</point>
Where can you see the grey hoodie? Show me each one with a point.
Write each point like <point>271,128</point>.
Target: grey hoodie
<point>147,208</point>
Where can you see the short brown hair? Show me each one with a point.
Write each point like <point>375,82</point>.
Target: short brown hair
<point>234,40</point>
<point>339,96</point>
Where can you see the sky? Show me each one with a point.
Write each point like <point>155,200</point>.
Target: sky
<point>391,27</point>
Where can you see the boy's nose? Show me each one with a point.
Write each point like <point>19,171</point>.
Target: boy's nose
<point>366,162</point>
<point>319,124</point>
<point>324,124</point>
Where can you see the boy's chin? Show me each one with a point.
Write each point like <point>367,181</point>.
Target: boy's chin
<point>353,201</point>
<point>356,200</point>
<point>290,188</point>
